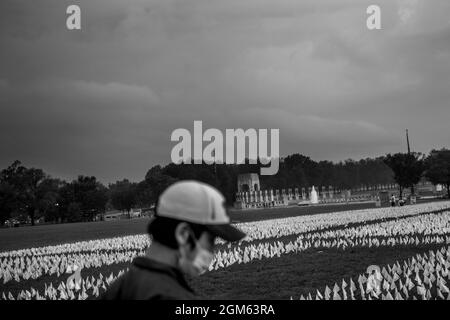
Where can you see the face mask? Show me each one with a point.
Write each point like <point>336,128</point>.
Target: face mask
<point>199,264</point>
<point>202,260</point>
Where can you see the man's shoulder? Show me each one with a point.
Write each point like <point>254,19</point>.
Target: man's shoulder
<point>143,284</point>
<point>158,284</point>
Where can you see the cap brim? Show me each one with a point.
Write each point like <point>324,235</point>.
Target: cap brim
<point>226,231</point>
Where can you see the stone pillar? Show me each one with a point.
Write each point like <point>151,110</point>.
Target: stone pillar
<point>284,196</point>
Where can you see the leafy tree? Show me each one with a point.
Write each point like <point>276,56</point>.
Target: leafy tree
<point>74,212</point>
<point>144,194</point>
<point>25,184</point>
<point>159,181</point>
<point>90,194</point>
<point>408,169</point>
<point>226,181</point>
<point>50,198</point>
<point>67,196</point>
<point>8,201</point>
<point>123,195</point>
<point>438,168</point>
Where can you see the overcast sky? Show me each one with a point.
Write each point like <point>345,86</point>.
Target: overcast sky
<point>103,101</point>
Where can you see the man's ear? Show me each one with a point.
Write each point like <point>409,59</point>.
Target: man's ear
<point>182,233</point>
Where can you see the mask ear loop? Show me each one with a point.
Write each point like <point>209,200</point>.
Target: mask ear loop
<point>191,241</point>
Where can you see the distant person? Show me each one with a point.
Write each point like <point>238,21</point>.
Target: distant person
<point>189,216</point>
<point>393,201</point>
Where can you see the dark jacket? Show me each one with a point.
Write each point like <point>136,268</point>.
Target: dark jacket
<point>149,280</point>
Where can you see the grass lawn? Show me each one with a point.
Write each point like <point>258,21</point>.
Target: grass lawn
<point>296,274</point>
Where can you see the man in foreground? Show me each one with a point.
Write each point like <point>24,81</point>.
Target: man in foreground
<point>189,216</point>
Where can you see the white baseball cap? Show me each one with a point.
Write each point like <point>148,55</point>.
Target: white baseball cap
<point>200,203</point>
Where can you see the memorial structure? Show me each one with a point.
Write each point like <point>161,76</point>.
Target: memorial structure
<point>250,194</point>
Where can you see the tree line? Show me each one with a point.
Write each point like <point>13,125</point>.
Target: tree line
<point>30,192</point>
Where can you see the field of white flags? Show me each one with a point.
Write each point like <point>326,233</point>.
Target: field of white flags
<point>423,277</point>
<point>83,270</point>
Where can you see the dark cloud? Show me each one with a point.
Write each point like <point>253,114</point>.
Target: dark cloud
<point>105,100</point>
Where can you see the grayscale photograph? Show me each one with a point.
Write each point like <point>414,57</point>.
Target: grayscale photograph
<point>220,150</point>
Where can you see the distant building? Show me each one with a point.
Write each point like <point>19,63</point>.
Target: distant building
<point>117,215</point>
<point>113,215</point>
<point>248,182</point>
<point>135,213</point>
<point>425,187</point>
